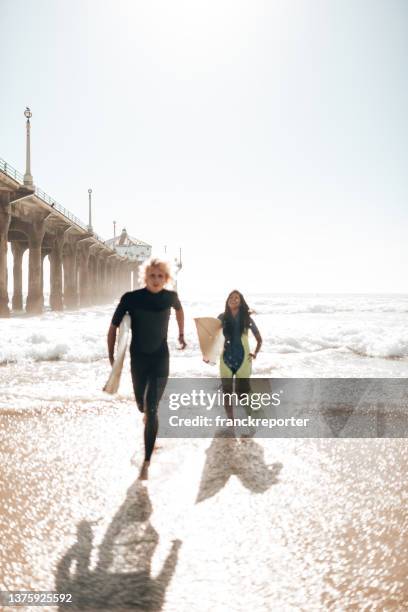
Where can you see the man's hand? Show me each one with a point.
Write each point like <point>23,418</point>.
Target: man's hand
<point>111,343</point>
<point>180,325</point>
<point>252,356</point>
<point>182,342</point>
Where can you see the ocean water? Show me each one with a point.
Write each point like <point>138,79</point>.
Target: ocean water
<point>328,517</point>
<point>57,359</point>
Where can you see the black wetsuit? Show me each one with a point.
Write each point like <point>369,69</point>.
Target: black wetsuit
<point>149,353</point>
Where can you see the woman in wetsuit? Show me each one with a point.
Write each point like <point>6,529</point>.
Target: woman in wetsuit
<point>236,359</point>
<point>149,310</point>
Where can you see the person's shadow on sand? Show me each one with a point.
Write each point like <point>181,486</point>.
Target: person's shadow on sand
<point>122,576</point>
<point>244,459</point>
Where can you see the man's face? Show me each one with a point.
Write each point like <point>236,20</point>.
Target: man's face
<point>156,278</point>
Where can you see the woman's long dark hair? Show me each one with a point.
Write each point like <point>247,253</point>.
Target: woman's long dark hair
<point>228,320</point>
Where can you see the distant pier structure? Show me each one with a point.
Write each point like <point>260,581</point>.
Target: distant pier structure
<point>138,251</point>
<point>85,270</point>
<point>132,248</point>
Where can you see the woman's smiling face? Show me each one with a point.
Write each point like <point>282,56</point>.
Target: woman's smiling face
<point>234,300</point>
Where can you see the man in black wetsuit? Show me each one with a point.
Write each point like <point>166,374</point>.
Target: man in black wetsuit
<point>149,310</point>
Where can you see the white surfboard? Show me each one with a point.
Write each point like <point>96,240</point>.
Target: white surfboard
<point>210,337</point>
<point>114,379</point>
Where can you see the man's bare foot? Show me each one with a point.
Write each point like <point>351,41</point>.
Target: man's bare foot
<point>144,471</point>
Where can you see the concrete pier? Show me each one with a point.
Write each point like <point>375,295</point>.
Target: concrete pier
<point>18,249</point>
<point>35,297</point>
<point>56,299</point>
<point>84,270</point>
<point>5,219</point>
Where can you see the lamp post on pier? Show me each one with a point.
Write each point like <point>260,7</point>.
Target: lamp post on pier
<point>28,179</point>
<point>90,230</point>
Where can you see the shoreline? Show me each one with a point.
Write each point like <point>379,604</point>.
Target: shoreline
<point>67,481</point>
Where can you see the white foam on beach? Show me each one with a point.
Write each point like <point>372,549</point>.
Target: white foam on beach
<point>59,358</point>
<point>370,343</point>
<point>77,337</point>
<point>332,304</point>
<point>80,337</point>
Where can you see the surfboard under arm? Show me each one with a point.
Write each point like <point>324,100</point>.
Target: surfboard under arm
<point>209,331</point>
<point>113,381</point>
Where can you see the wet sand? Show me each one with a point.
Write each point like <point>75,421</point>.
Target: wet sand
<point>223,525</point>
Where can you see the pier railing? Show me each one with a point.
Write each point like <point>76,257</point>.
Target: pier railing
<point>17,176</point>
<point>10,171</point>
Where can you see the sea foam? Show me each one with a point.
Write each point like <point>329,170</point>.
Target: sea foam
<point>292,328</point>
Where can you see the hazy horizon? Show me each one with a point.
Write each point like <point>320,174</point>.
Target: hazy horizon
<point>267,140</point>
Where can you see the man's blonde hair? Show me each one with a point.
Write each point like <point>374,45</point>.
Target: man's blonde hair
<point>155,262</point>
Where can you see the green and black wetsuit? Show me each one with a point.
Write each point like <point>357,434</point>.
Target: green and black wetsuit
<point>235,357</point>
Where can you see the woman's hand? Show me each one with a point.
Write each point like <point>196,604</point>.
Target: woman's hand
<point>252,356</point>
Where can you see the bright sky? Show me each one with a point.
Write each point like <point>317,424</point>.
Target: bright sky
<point>268,139</point>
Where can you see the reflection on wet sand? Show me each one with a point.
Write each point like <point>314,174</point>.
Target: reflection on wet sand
<point>122,577</point>
<point>331,534</point>
<point>244,459</point>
